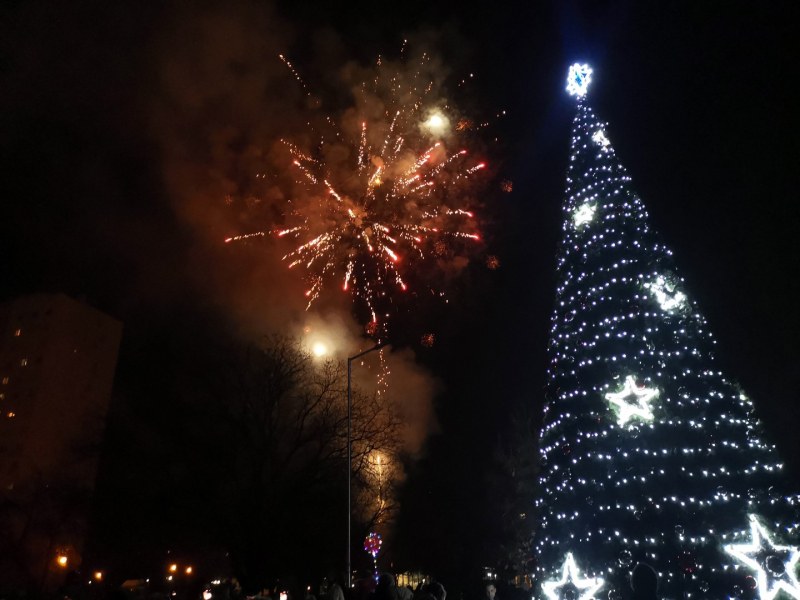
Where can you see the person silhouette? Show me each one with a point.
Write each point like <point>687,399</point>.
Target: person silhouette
<point>644,582</point>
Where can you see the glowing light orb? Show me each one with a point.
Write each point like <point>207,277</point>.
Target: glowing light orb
<point>435,121</point>
<point>319,349</point>
<point>578,79</point>
<point>571,578</point>
<point>632,402</point>
<point>762,550</point>
<point>62,560</point>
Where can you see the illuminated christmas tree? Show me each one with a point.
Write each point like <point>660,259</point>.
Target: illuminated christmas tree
<point>648,452</point>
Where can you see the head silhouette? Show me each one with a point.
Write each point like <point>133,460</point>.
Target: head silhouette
<point>644,582</point>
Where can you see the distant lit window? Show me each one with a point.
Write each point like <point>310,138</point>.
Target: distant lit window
<point>23,362</point>
<point>18,333</point>
<point>5,380</point>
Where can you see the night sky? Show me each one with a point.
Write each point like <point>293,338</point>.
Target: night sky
<point>109,114</point>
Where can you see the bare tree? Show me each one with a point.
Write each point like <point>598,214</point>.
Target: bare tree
<point>286,416</point>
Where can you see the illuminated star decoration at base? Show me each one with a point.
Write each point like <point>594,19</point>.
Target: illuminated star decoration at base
<point>632,402</point>
<point>570,577</point>
<point>666,296</point>
<point>757,553</point>
<point>583,215</point>
<point>578,79</point>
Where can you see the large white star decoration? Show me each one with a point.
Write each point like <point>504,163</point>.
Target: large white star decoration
<point>666,296</point>
<point>570,577</point>
<point>578,79</point>
<point>762,550</point>
<point>583,215</point>
<point>600,139</point>
<point>633,402</point>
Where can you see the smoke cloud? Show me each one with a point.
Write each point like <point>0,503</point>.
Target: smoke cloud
<point>224,101</point>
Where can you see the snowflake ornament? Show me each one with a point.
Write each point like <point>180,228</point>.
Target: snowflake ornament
<point>578,79</point>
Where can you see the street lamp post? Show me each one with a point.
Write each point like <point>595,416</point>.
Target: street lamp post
<point>350,360</point>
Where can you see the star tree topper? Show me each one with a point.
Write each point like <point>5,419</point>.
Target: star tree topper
<point>758,552</point>
<point>633,402</point>
<point>570,577</point>
<point>578,79</point>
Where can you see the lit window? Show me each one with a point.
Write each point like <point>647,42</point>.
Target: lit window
<point>23,362</point>
<point>18,333</point>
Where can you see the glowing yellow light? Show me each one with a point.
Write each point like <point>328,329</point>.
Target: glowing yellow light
<point>189,570</point>
<point>173,567</point>
<point>98,575</point>
<point>319,349</point>
<point>62,560</point>
<point>436,121</point>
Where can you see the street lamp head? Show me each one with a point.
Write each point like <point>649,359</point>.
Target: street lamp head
<point>319,349</point>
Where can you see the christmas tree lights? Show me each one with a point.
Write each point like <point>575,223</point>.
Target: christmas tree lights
<point>648,452</point>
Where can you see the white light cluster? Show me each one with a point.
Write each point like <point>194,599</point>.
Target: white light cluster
<point>695,457</point>
<point>665,294</point>
<point>600,139</point>
<point>570,576</point>
<point>583,215</point>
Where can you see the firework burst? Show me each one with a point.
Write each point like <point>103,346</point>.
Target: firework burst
<point>385,190</point>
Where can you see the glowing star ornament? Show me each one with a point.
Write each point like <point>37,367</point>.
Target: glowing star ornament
<point>633,402</point>
<point>665,294</point>
<point>578,79</point>
<point>585,588</point>
<point>600,139</point>
<point>583,215</point>
<point>773,564</point>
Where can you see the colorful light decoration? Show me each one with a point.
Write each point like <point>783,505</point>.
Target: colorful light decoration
<point>580,75</point>
<point>632,402</point>
<point>372,546</point>
<point>570,577</point>
<point>759,553</point>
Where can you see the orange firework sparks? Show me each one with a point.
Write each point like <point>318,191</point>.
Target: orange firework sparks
<point>373,201</point>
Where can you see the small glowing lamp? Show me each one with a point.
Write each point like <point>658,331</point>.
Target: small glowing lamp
<point>173,568</point>
<point>62,560</point>
<point>319,349</point>
<point>98,576</point>
<point>189,570</point>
